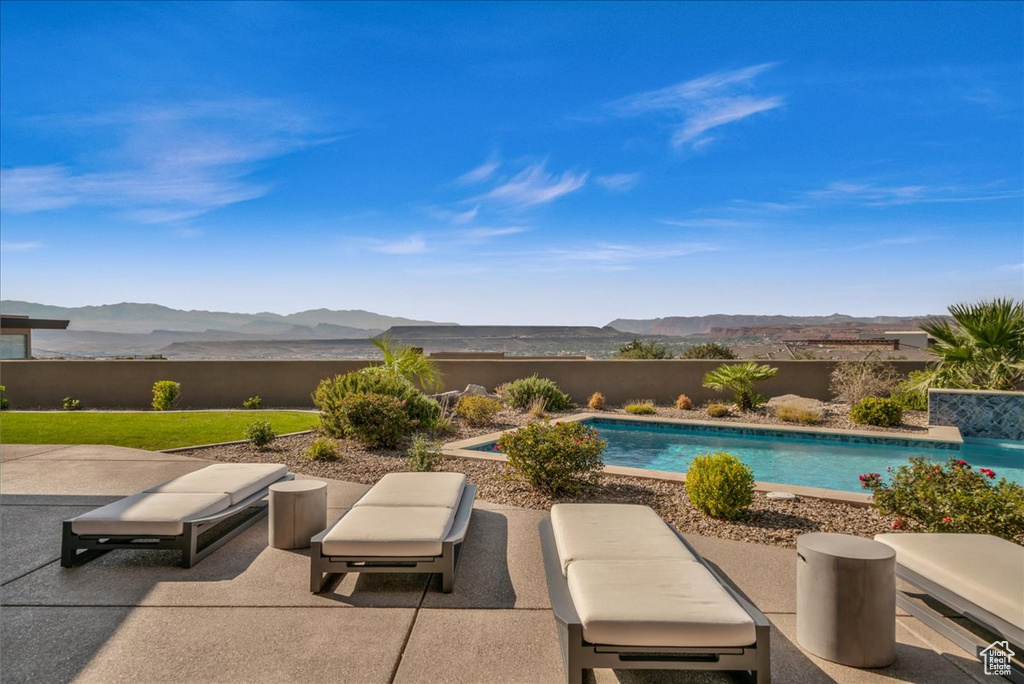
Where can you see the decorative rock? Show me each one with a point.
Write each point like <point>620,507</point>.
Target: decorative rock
<point>781,496</point>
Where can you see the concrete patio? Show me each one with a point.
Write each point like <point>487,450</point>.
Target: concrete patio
<point>245,614</point>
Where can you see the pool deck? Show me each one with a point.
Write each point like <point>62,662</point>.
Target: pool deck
<point>245,614</point>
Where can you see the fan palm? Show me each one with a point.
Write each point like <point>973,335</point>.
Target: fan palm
<point>740,379</point>
<point>409,362</point>
<point>983,348</point>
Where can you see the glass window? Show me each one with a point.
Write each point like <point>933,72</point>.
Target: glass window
<point>13,346</point>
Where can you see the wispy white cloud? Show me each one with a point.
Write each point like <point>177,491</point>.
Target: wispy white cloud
<point>609,253</point>
<point>454,216</point>
<point>874,194</point>
<point>618,182</point>
<point>1011,268</point>
<point>171,163</point>
<point>19,246</point>
<point>534,185</point>
<point>702,104</point>
<point>412,244</point>
<point>904,240</point>
<point>480,173</point>
<point>480,234</point>
<point>709,223</point>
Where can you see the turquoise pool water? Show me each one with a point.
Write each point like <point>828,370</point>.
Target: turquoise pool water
<point>809,459</point>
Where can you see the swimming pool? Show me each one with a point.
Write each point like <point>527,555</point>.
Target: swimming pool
<point>810,459</point>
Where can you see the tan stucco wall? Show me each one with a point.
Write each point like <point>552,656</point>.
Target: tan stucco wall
<point>225,384</point>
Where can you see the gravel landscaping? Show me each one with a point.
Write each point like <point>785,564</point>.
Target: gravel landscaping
<point>774,522</point>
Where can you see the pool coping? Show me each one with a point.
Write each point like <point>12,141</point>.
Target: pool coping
<point>939,434</point>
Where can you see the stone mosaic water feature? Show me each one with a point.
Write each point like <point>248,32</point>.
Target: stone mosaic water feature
<point>983,414</point>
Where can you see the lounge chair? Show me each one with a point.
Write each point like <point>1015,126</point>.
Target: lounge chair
<point>977,576</point>
<point>407,522</point>
<point>174,514</point>
<point>628,591</point>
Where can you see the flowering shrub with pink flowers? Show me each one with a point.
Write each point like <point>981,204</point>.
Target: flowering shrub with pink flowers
<point>928,497</point>
<point>559,458</point>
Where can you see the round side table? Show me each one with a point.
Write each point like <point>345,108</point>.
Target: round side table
<point>298,510</point>
<point>846,599</point>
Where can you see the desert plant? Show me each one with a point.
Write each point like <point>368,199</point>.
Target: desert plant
<point>375,420</point>
<point>910,393</point>
<point>420,409</point>
<point>424,455</point>
<point>559,458</point>
<point>640,407</point>
<point>4,404</point>
<point>638,349</point>
<point>70,404</point>
<point>519,393</point>
<point>477,410</point>
<point>683,403</point>
<point>165,394</point>
<point>798,414</point>
<point>878,412</point>
<point>716,410</point>
<point>253,402</point>
<point>322,449</point>
<point>409,362</point>
<point>740,379</point>
<point>596,401</point>
<point>929,497</point>
<point>535,410</point>
<point>720,485</point>
<point>710,350</point>
<point>982,349</point>
<point>260,433</point>
<point>852,381</point>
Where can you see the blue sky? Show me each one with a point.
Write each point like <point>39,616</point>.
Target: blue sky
<point>513,163</point>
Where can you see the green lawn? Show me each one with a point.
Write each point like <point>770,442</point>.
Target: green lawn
<point>153,431</point>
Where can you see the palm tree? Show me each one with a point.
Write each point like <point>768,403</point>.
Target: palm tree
<point>739,378</point>
<point>982,349</point>
<point>409,362</point>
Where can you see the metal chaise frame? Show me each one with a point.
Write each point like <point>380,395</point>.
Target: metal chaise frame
<point>322,568</point>
<point>959,635</point>
<point>78,549</point>
<point>579,655</point>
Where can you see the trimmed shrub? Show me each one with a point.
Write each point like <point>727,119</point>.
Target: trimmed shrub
<point>520,393</point>
<point>797,414</point>
<point>596,402</point>
<point>644,407</point>
<point>720,485</point>
<point>322,449</point>
<point>260,433</point>
<point>558,458</point>
<point>165,394</point>
<point>375,420</point>
<point>875,411</point>
<point>420,409</point>
<point>928,497</point>
<point>424,455</point>
<point>852,381</point>
<point>683,403</point>
<point>70,404</point>
<point>909,393</point>
<point>717,410</point>
<point>252,402</point>
<point>711,350</point>
<point>477,410</point>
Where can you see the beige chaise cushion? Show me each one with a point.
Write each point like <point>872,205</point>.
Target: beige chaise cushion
<point>416,489</point>
<point>613,532</point>
<point>983,569</point>
<point>655,603</point>
<point>386,531</point>
<point>237,480</point>
<point>150,514</point>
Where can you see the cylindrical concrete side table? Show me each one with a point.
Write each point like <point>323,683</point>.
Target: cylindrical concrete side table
<point>298,510</point>
<point>846,599</point>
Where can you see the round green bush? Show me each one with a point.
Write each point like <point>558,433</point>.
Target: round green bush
<point>420,409</point>
<point>640,408</point>
<point>477,410</point>
<point>522,392</point>
<point>720,485</point>
<point>878,412</point>
<point>375,420</point>
<point>559,458</point>
<point>260,433</point>
<point>165,394</point>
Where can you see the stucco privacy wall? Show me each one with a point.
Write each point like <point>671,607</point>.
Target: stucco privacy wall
<point>986,414</point>
<point>225,384</point>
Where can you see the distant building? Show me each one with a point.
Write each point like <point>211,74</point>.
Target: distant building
<point>16,334</point>
<point>915,339</point>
